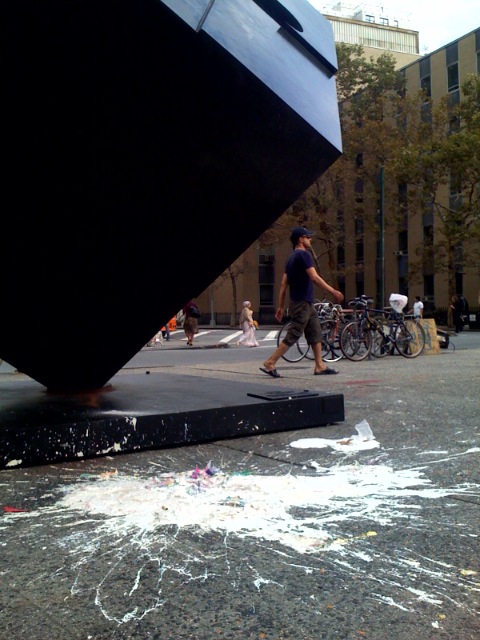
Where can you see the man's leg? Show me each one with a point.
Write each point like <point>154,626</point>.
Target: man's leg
<point>320,366</point>
<point>317,352</point>
<point>271,362</point>
<point>300,315</point>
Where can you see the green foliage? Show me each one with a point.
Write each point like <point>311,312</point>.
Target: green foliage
<point>418,144</point>
<point>446,152</point>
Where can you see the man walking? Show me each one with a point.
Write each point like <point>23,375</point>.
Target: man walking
<point>300,276</point>
<point>417,309</point>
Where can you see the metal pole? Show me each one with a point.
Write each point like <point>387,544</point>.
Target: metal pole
<point>382,239</point>
<point>212,310</point>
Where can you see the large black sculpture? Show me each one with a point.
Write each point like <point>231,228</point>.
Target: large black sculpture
<point>135,134</point>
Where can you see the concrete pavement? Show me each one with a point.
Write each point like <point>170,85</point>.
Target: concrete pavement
<point>318,533</point>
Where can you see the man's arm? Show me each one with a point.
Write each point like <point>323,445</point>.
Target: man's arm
<point>320,282</point>
<point>281,298</point>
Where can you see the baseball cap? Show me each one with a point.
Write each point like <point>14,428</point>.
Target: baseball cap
<point>298,232</point>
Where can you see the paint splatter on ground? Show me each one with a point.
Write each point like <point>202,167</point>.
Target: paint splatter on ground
<point>150,531</point>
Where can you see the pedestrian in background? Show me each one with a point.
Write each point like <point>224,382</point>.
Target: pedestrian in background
<point>456,308</point>
<point>190,324</point>
<point>247,339</point>
<point>300,277</point>
<point>166,331</point>
<point>417,309</point>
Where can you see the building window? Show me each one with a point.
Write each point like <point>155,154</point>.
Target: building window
<point>266,296</point>
<point>403,194</point>
<point>459,282</point>
<point>426,113</point>
<point>451,53</point>
<point>424,66</point>
<point>455,185</point>
<point>428,286</point>
<point>266,277</point>
<point>427,216</point>
<point>452,77</point>
<point>426,86</point>
<point>359,251</point>
<point>428,235</point>
<point>339,191</point>
<point>341,238</point>
<point>359,248</point>
<point>384,22</point>
<point>358,190</point>
<point>369,18</point>
<point>453,101</point>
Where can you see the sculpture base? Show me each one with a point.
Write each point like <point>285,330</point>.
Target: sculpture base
<point>138,412</point>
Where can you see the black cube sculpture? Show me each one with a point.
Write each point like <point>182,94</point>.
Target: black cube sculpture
<point>134,135</point>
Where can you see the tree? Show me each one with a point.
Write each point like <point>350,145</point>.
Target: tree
<point>445,152</point>
<point>369,92</point>
<point>231,274</point>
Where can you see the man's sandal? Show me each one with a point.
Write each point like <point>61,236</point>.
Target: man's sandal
<point>271,372</point>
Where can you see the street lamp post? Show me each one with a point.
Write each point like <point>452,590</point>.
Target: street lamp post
<point>212,309</point>
<point>382,239</point>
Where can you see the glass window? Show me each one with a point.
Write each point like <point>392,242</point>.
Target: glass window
<point>426,113</point>
<point>358,190</point>
<point>428,285</point>
<point>424,67</point>
<point>266,275</point>
<point>426,85</point>
<point>403,241</point>
<point>455,186</point>
<point>359,251</point>
<point>452,77</point>
<point>266,296</point>
<point>428,235</point>
<point>451,53</point>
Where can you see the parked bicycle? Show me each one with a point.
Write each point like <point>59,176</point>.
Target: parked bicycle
<point>332,318</point>
<point>379,332</point>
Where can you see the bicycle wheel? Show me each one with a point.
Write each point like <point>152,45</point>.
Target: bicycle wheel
<point>410,339</point>
<point>355,341</point>
<point>382,344</point>
<point>297,351</point>
<point>331,351</point>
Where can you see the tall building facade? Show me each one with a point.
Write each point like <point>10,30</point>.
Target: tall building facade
<point>372,265</point>
<point>376,30</point>
<point>440,74</point>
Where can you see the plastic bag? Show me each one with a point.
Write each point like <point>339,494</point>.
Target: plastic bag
<point>180,318</point>
<point>397,301</point>
<point>364,431</point>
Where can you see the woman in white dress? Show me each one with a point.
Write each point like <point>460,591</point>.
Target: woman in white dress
<point>247,339</point>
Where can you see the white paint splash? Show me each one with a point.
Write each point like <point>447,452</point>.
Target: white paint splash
<point>158,521</point>
<point>252,505</point>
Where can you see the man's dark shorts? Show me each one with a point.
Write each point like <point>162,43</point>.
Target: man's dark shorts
<point>304,320</point>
